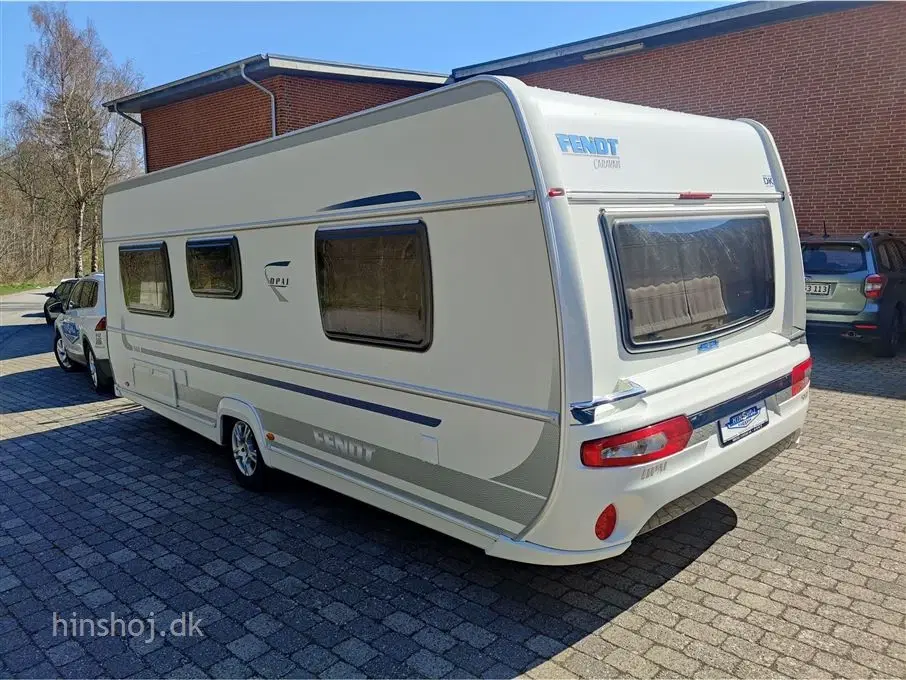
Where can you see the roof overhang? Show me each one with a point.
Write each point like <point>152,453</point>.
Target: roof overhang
<point>684,29</point>
<point>263,66</point>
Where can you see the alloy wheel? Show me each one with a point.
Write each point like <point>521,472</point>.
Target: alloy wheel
<point>245,449</point>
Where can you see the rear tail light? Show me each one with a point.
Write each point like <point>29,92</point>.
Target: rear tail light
<point>874,286</point>
<point>802,376</point>
<point>639,446</point>
<point>102,324</point>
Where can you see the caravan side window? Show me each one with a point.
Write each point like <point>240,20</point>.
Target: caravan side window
<point>214,268</point>
<point>145,275</point>
<point>374,284</point>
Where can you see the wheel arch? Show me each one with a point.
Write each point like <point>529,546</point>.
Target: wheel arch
<point>232,408</point>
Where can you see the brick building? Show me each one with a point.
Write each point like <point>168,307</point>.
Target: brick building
<point>254,98</point>
<point>827,78</point>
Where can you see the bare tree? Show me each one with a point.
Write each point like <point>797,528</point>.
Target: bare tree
<point>66,147</point>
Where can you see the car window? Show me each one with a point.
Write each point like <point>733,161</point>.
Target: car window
<point>883,258</point>
<point>833,258</point>
<point>901,246</point>
<point>89,294</point>
<point>896,260</point>
<point>888,257</point>
<point>73,302</point>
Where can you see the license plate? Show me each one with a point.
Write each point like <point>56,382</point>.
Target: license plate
<point>741,424</point>
<point>817,289</point>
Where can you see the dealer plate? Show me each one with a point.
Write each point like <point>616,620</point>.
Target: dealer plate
<point>743,423</point>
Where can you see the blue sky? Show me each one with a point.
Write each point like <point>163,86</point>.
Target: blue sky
<point>171,40</point>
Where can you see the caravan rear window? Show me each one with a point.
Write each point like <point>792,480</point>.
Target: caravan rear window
<point>374,284</point>
<point>145,274</point>
<point>686,277</point>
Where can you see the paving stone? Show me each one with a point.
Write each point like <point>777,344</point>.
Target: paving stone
<point>248,647</point>
<point>796,570</point>
<point>428,664</point>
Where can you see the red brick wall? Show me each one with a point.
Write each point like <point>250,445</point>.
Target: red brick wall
<point>831,88</point>
<point>219,121</point>
<point>303,101</point>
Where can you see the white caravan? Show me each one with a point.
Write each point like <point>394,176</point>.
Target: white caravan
<point>535,321</point>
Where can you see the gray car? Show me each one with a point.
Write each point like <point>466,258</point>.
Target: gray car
<point>855,288</point>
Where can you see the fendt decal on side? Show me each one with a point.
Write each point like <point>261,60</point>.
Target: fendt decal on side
<point>347,447</point>
<point>602,149</point>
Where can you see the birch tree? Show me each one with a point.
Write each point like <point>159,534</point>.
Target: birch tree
<point>82,147</point>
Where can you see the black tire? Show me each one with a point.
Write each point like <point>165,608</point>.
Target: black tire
<point>101,383</point>
<point>47,317</point>
<point>248,465</point>
<point>891,336</point>
<point>59,352</point>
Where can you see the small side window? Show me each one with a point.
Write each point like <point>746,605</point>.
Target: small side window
<point>374,285</point>
<point>145,276</point>
<point>896,260</point>
<point>885,261</point>
<point>214,267</point>
<point>75,295</point>
<point>901,246</point>
<point>90,294</point>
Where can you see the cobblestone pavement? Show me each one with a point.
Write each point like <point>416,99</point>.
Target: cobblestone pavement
<point>798,571</point>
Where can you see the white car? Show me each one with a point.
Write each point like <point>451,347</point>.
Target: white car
<point>80,332</point>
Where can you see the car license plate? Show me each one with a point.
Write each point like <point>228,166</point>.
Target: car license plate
<point>745,422</point>
<point>817,289</point>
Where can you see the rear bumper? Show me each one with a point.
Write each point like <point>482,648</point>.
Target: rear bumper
<point>863,326</point>
<point>523,551</point>
<point>648,495</point>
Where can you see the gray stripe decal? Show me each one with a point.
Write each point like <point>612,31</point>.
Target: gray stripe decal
<point>428,421</point>
<point>537,472</point>
<point>488,495</point>
<point>203,400</point>
<point>390,490</point>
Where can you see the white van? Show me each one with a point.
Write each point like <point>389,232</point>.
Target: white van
<point>538,322</point>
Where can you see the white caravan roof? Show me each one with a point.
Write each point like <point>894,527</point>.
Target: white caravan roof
<point>594,145</point>
<point>471,143</point>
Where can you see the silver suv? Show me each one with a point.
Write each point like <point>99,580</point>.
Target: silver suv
<point>80,332</point>
<point>855,288</point>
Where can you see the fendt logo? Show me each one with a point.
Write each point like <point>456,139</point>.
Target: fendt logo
<point>351,448</point>
<point>591,146</point>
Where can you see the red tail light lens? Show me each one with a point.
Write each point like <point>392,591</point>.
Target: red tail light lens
<point>639,446</point>
<point>874,286</point>
<point>802,376</point>
<point>102,324</point>
<point>607,522</point>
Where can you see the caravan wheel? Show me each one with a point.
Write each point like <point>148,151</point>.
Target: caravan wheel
<point>248,465</point>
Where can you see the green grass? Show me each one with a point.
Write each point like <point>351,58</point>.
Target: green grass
<point>7,288</point>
